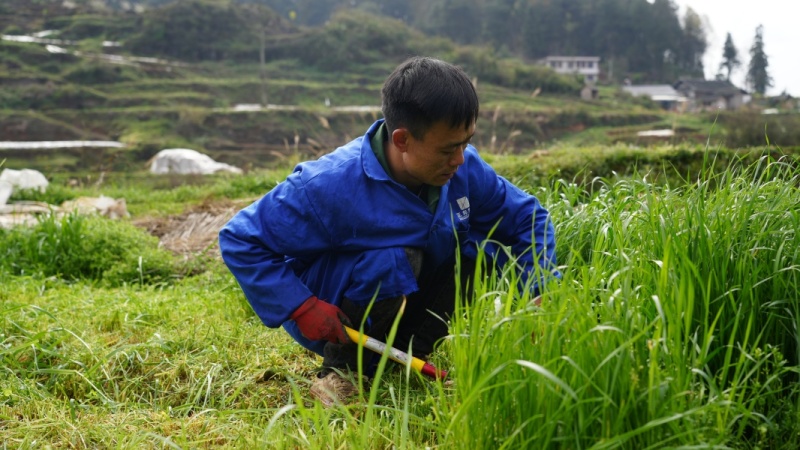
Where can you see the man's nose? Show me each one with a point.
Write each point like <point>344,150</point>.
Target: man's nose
<point>458,158</point>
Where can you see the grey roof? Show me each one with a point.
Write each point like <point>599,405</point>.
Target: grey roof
<point>658,92</point>
<point>708,87</point>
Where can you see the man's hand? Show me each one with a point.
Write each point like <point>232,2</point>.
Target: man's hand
<point>318,320</point>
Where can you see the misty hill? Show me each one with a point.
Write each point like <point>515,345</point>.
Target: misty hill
<point>634,38</point>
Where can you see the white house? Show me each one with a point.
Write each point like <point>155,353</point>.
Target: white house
<point>588,66</point>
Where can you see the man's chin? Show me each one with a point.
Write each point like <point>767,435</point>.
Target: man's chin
<point>441,180</point>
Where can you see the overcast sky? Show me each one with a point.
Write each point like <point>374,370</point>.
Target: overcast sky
<point>781,21</point>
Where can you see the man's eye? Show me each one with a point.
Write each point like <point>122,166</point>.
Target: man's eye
<point>455,148</point>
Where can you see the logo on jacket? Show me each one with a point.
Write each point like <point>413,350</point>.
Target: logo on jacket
<point>463,203</point>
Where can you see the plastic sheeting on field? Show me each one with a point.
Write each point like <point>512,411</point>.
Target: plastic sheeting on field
<point>5,192</point>
<point>187,161</point>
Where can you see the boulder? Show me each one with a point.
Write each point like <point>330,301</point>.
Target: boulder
<point>24,213</point>
<point>187,161</point>
<point>20,180</point>
<point>105,206</point>
<point>5,191</point>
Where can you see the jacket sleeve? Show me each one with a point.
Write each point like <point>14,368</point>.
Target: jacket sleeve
<point>255,244</point>
<point>515,219</point>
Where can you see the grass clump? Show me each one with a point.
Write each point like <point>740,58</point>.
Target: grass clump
<point>75,247</point>
<point>674,325</point>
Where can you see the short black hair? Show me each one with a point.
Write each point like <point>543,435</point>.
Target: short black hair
<point>423,91</point>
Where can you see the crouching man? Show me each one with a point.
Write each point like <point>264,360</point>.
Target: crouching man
<point>385,217</point>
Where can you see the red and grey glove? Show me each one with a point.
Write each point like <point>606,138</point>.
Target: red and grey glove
<point>318,320</point>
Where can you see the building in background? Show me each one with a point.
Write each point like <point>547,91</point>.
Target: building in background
<point>663,94</point>
<point>712,95</point>
<point>588,66</point>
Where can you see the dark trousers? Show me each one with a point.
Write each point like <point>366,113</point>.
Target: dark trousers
<point>424,320</point>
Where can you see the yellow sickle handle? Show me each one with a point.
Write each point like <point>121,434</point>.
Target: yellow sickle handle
<point>395,354</point>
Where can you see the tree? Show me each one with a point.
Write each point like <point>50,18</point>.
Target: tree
<point>693,45</point>
<point>730,58</point>
<point>662,35</point>
<point>757,76</point>
<point>465,30</point>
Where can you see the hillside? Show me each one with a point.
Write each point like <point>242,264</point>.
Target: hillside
<point>632,37</point>
<point>188,74</point>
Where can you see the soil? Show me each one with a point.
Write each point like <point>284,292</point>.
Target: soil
<point>194,233</point>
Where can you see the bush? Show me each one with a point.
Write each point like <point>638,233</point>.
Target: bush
<point>203,30</point>
<point>52,96</point>
<point>78,247</point>
<point>483,63</point>
<point>13,28</point>
<point>92,73</point>
<point>751,128</point>
<point>54,195</point>
<point>355,37</point>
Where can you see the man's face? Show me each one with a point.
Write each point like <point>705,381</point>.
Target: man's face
<point>436,157</point>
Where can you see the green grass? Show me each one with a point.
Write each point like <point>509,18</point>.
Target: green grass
<point>74,247</point>
<point>158,195</point>
<point>675,325</point>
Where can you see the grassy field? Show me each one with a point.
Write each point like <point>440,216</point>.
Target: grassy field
<point>676,324</point>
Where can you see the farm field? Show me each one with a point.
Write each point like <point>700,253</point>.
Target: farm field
<point>676,323</point>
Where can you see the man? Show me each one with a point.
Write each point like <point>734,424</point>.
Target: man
<point>385,218</point>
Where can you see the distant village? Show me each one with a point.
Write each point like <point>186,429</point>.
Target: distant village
<point>684,95</point>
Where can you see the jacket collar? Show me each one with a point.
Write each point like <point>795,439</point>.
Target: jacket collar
<point>372,167</point>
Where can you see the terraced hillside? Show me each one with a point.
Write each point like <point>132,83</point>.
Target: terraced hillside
<point>84,74</point>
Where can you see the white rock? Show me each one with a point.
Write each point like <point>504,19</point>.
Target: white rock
<point>24,179</point>
<point>187,161</point>
<point>5,192</point>
<point>105,206</point>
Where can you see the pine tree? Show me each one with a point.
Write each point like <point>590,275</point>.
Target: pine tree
<point>730,58</point>
<point>757,76</point>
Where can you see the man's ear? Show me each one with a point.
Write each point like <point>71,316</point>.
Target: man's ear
<point>400,139</point>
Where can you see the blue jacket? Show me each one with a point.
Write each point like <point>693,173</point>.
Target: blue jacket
<point>345,203</point>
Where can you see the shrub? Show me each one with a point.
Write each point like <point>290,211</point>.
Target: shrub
<point>355,37</point>
<point>65,96</point>
<point>54,195</point>
<point>202,30</point>
<point>91,73</point>
<point>75,247</point>
<point>483,63</point>
<point>751,128</point>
